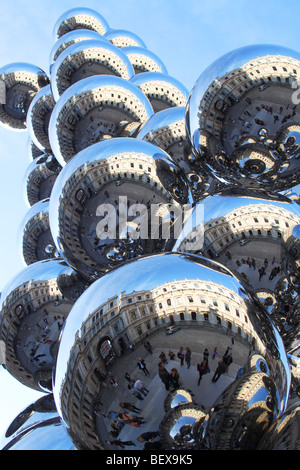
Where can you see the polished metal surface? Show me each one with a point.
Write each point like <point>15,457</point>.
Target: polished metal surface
<point>39,178</point>
<point>38,118</point>
<point>37,427</point>
<point>22,82</point>
<point>161,90</point>
<point>242,119</point>
<point>33,310</point>
<point>123,38</point>
<point>94,109</point>
<point>167,130</point>
<point>71,38</point>
<point>35,238</point>
<point>105,199</point>
<point>85,59</point>
<point>130,305</point>
<point>144,60</point>
<point>80,18</point>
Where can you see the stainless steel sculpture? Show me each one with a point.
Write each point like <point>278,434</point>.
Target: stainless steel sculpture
<point>123,276</point>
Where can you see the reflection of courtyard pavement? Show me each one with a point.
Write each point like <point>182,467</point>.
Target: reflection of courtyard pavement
<point>153,404</point>
<point>259,250</point>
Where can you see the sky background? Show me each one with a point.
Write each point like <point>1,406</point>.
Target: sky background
<point>186,35</point>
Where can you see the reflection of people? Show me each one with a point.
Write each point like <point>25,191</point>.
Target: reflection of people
<point>219,370</point>
<point>164,375</point>
<point>142,366</point>
<point>148,436</point>
<point>174,379</point>
<point>188,355</point>
<point>202,369</point>
<point>180,355</point>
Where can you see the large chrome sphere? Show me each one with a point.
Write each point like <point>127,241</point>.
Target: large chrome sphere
<point>145,310</point>
<point>242,117</point>
<point>37,427</point>
<point>38,118</point>
<point>71,38</point>
<point>34,306</point>
<point>144,60</point>
<point>21,81</point>
<point>161,90</point>
<point>123,38</point>
<point>110,201</point>
<point>85,59</point>
<point>80,18</point>
<point>39,178</point>
<point>93,109</point>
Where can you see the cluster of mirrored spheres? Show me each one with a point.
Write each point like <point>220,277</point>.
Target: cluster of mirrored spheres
<point>121,272</point>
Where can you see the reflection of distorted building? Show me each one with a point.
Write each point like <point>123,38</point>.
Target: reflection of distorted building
<point>228,89</point>
<point>40,178</point>
<point>130,318</point>
<point>255,221</point>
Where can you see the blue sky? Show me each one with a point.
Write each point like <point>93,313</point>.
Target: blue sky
<point>186,35</point>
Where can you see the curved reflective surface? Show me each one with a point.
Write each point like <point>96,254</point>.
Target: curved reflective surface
<point>87,58</point>
<point>242,117</point>
<point>161,90</point>
<point>80,18</point>
<point>116,208</point>
<point>37,427</point>
<point>167,130</point>
<point>38,118</point>
<point>71,38</point>
<point>93,109</point>
<point>22,81</point>
<point>33,311</point>
<point>144,60</point>
<point>118,329</point>
<point>39,178</point>
<point>35,238</point>
<point>124,38</point>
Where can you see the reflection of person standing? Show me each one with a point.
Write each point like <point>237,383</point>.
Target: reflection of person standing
<point>180,355</point>
<point>164,375</point>
<point>142,366</point>
<point>219,371</point>
<point>188,356</point>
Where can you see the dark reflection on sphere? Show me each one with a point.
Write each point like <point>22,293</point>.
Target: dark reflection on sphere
<point>121,319</point>
<point>71,38</point>
<point>242,117</point>
<point>125,190</point>
<point>39,178</point>
<point>37,427</point>
<point>19,84</point>
<point>34,306</point>
<point>38,118</point>
<point>94,109</point>
<point>80,18</point>
<point>85,59</point>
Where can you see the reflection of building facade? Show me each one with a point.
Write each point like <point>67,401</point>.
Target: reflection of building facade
<point>257,221</point>
<point>129,319</point>
<point>226,90</point>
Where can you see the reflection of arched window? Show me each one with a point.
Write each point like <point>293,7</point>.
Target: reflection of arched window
<point>181,316</point>
<point>106,350</point>
<point>194,315</point>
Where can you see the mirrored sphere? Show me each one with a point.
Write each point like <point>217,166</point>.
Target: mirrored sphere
<point>144,60</point>
<point>80,18</point>
<point>34,306</point>
<point>123,343</point>
<point>71,38</point>
<point>38,118</point>
<point>39,178</point>
<point>124,38</point>
<point>19,83</point>
<point>107,200</point>
<point>94,109</point>
<point>37,427</point>
<point>35,236</point>
<point>167,130</point>
<point>85,59</point>
<point>161,90</point>
<point>243,120</point>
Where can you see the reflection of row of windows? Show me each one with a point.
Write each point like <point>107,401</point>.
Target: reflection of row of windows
<point>194,316</point>
<point>202,300</point>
